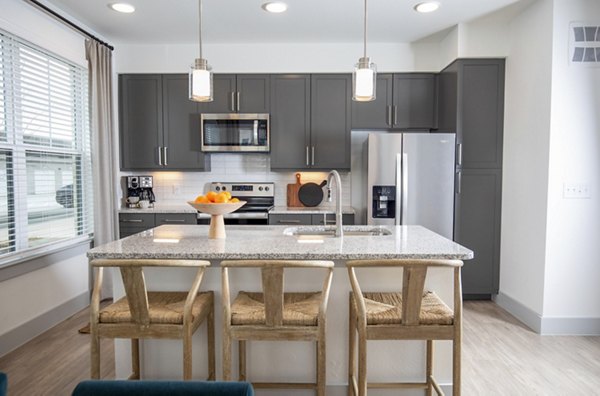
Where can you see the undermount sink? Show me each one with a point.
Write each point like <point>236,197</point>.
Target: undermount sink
<point>330,231</point>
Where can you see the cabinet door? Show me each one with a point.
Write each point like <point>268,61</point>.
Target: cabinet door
<point>290,121</point>
<point>447,99</point>
<point>319,219</point>
<point>481,112</point>
<point>414,101</point>
<point>253,93</point>
<point>331,95</point>
<point>376,114</point>
<point>181,126</point>
<point>290,219</point>
<point>140,118</point>
<point>477,226</point>
<point>223,95</point>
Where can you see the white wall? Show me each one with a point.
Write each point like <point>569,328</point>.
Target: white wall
<point>525,162</point>
<point>28,296</point>
<point>572,264</point>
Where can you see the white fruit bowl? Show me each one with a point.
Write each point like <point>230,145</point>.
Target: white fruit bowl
<point>216,212</point>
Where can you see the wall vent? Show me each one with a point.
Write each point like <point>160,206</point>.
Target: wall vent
<point>584,44</point>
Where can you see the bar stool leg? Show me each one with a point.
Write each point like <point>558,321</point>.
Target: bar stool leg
<point>351,349</point>
<point>242,360</point>
<point>210,335</point>
<point>429,370</point>
<point>226,357</point>
<point>135,359</point>
<point>187,354</point>
<point>321,362</point>
<point>362,362</point>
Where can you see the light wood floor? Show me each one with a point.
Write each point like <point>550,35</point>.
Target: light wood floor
<point>500,357</point>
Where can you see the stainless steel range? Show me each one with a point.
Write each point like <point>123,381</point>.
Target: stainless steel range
<point>259,197</point>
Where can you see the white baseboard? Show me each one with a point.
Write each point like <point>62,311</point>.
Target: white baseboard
<point>545,325</point>
<point>20,335</point>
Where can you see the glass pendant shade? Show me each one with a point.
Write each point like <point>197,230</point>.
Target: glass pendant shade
<point>201,82</point>
<point>364,80</point>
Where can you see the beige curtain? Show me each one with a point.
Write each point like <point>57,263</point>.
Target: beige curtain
<point>99,59</point>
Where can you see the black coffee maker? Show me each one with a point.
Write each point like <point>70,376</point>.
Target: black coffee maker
<point>139,188</point>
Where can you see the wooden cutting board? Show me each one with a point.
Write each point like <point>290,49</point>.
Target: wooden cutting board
<point>292,193</point>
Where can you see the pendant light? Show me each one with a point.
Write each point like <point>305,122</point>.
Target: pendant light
<point>365,74</point>
<point>201,78</point>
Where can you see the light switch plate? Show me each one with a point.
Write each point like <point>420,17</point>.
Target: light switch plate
<point>576,190</point>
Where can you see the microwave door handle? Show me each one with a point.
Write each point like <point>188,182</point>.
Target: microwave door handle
<point>255,129</point>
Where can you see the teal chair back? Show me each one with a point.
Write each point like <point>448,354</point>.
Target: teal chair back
<point>161,388</point>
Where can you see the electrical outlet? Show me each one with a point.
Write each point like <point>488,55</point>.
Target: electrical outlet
<point>576,190</point>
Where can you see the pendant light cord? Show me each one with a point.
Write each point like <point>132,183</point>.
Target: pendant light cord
<point>365,32</point>
<point>200,27</point>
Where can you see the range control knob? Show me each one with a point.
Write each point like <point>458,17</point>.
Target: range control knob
<point>260,188</point>
<point>266,188</point>
<point>218,188</point>
<point>224,188</point>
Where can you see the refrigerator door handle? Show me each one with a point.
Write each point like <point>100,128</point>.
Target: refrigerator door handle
<point>398,218</point>
<point>460,154</point>
<point>404,187</point>
<point>459,182</point>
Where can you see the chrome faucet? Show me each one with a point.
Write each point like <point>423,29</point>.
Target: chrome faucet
<point>338,200</point>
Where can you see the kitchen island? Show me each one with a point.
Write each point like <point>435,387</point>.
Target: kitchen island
<point>289,361</point>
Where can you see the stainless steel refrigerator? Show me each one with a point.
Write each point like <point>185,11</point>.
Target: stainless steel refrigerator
<point>410,180</point>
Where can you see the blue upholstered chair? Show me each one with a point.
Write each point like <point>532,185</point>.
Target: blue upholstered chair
<point>3,384</point>
<point>162,388</point>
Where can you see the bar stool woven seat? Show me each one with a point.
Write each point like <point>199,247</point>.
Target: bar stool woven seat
<point>299,309</point>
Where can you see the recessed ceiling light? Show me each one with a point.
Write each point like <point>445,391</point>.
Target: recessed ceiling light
<point>122,7</point>
<point>428,6</point>
<point>275,6</point>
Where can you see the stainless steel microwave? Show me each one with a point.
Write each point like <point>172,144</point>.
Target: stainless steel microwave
<point>235,132</point>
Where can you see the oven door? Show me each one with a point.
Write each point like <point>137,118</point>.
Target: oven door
<point>235,132</point>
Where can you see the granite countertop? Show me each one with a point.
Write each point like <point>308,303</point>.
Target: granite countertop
<point>269,242</point>
<point>311,210</point>
<point>185,208</point>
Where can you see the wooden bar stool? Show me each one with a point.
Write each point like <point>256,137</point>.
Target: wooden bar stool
<point>158,315</point>
<point>412,314</point>
<point>275,315</point>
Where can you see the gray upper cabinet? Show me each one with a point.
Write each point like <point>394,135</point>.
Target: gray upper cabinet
<point>403,101</point>
<point>331,95</point>
<point>239,93</point>
<point>140,120</point>
<point>376,114</point>
<point>472,105</point>
<point>415,101</point>
<point>159,126</point>
<point>290,121</point>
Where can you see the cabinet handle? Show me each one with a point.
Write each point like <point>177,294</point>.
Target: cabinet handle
<point>459,182</point>
<point>232,101</point>
<point>327,222</point>
<point>238,101</point>
<point>395,121</point>
<point>288,221</point>
<point>132,221</point>
<point>389,115</point>
<point>159,155</point>
<point>307,156</point>
<point>165,149</point>
<point>313,156</point>
<point>460,154</point>
<point>173,221</point>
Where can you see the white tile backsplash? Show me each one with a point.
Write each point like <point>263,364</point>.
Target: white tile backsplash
<point>172,188</point>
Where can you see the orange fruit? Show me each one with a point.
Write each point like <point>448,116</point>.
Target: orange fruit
<point>201,199</point>
<point>211,195</point>
<point>221,198</point>
<point>234,200</point>
<point>228,195</point>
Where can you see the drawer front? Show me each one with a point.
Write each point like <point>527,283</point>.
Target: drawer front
<point>125,231</point>
<point>175,218</point>
<point>347,219</point>
<point>290,219</point>
<point>141,220</point>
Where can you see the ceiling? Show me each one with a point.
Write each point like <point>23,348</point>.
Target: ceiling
<point>240,21</point>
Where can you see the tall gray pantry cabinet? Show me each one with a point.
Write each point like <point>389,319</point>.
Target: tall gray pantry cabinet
<point>471,102</point>
<point>158,126</point>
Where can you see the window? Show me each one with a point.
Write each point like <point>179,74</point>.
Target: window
<point>45,157</point>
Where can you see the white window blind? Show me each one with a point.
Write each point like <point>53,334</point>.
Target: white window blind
<point>45,155</point>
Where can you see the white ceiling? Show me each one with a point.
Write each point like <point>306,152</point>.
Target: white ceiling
<point>176,21</point>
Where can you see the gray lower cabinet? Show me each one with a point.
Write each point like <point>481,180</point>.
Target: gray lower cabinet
<point>310,121</point>
<point>477,226</point>
<point>297,219</point>
<point>244,93</point>
<point>132,223</point>
<point>402,101</point>
<point>159,126</point>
